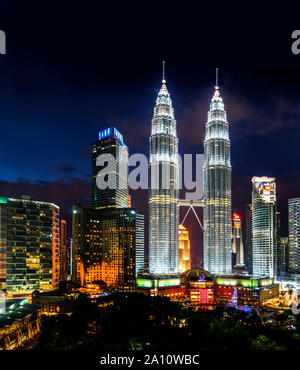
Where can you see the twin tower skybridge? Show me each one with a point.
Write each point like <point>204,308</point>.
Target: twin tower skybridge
<point>191,204</point>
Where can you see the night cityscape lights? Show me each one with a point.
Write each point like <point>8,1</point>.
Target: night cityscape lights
<point>103,284</point>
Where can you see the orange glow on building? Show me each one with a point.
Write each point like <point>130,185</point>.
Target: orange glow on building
<point>201,292</point>
<point>104,247</point>
<point>184,249</point>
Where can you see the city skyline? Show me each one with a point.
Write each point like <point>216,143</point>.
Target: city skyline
<point>149,210</point>
<point>77,187</point>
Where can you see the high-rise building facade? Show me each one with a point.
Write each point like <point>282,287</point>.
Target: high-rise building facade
<point>139,243</point>
<point>63,250</point>
<point>217,190</point>
<point>284,256</point>
<point>294,235</point>
<point>264,227</point>
<point>248,238</point>
<point>110,144</point>
<point>103,247</point>
<point>163,188</point>
<point>29,245</point>
<point>184,249</point>
<point>237,241</point>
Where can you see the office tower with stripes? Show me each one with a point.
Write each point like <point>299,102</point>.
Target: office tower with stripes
<point>294,235</point>
<point>139,244</point>
<point>111,146</point>
<point>163,188</point>
<point>264,227</point>
<point>217,190</point>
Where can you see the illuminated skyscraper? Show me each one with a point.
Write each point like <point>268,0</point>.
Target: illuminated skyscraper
<point>184,249</point>
<point>110,143</point>
<point>264,227</point>
<point>217,190</point>
<point>248,238</point>
<point>163,192</point>
<point>29,245</point>
<point>63,250</point>
<point>104,247</point>
<point>139,243</point>
<point>294,235</point>
<point>237,240</point>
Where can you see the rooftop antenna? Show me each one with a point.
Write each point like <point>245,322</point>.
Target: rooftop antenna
<point>217,92</point>
<point>163,80</point>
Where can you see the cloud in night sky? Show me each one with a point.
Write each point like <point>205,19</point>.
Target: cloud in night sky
<point>64,192</point>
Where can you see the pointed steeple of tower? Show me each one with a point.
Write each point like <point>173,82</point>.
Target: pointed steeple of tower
<point>164,86</point>
<point>217,189</point>
<point>163,200</point>
<point>217,92</point>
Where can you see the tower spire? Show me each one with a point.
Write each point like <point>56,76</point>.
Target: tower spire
<point>163,74</point>
<point>217,92</point>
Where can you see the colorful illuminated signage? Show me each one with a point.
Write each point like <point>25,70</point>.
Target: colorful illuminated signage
<point>147,283</point>
<point>111,132</point>
<point>251,283</point>
<point>267,186</point>
<point>236,217</point>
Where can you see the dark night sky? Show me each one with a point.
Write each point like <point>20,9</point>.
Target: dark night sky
<point>72,70</point>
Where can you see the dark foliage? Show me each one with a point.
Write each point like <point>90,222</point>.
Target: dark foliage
<point>140,322</point>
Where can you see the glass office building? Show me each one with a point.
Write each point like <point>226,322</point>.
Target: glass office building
<point>264,227</point>
<point>294,235</point>
<point>103,248</point>
<point>110,144</point>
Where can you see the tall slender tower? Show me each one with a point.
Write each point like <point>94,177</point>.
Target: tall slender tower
<point>110,142</point>
<point>217,189</point>
<point>264,227</point>
<point>163,189</point>
<point>294,235</point>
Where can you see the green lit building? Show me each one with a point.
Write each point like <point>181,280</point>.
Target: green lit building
<point>29,245</point>
<point>171,286</point>
<point>244,290</point>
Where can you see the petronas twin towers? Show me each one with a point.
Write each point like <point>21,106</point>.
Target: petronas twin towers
<point>217,190</point>
<point>164,189</point>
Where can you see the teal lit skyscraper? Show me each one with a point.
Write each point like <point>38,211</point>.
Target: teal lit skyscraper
<point>163,192</point>
<point>217,190</point>
<point>264,227</point>
<point>294,235</point>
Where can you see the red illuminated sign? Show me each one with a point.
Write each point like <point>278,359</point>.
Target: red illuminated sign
<point>236,217</point>
<point>268,187</point>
